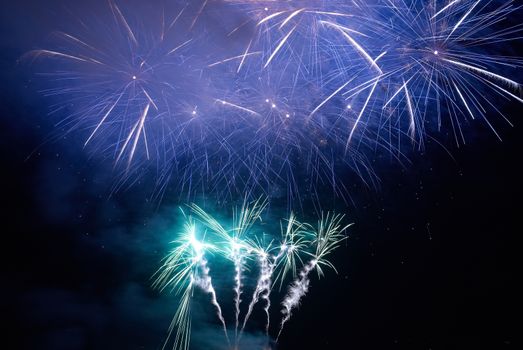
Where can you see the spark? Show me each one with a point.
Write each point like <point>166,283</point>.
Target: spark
<point>279,46</point>
<point>513,84</point>
<point>362,111</point>
<point>445,8</point>
<point>225,103</point>
<point>355,44</point>
<point>462,19</point>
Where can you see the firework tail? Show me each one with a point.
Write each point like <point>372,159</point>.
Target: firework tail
<point>263,286</point>
<point>238,267</point>
<point>203,280</point>
<point>297,290</point>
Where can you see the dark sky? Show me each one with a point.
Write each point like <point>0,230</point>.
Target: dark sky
<point>431,262</point>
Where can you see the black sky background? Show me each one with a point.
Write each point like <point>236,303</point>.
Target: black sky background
<point>432,261</point>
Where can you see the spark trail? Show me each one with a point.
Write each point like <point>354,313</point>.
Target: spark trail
<point>326,237</point>
<point>267,264</point>
<point>292,246</point>
<point>184,269</point>
<point>204,281</point>
<point>297,291</point>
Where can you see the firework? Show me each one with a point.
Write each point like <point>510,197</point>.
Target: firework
<point>275,92</point>
<point>438,65</point>
<point>185,268</point>
<point>269,258</point>
<point>326,237</point>
<point>132,80</point>
<point>126,81</point>
<point>389,70</point>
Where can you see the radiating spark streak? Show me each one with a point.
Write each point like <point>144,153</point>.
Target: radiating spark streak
<point>360,115</point>
<point>242,57</point>
<point>463,100</point>
<point>293,245</point>
<point>379,56</point>
<point>402,87</point>
<point>291,16</point>
<point>225,103</point>
<point>137,135</point>
<point>268,18</point>
<point>179,47</point>
<point>103,119</point>
<point>412,124</point>
<point>444,8</point>
<point>64,55</point>
<point>505,91</point>
<point>343,28</point>
<point>330,13</point>
<point>392,4</point>
<point>124,22</point>
<point>198,14</point>
<point>279,47</point>
<point>75,39</point>
<point>361,87</point>
<point>176,19</point>
<point>328,98</point>
<point>144,133</point>
<point>487,73</point>
<point>150,99</point>
<point>462,19</point>
<point>355,44</point>
<point>129,136</point>
<point>181,322</point>
<point>248,20</point>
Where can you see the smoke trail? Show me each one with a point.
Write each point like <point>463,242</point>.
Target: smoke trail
<point>297,290</point>
<point>263,286</point>
<point>204,281</point>
<point>238,267</point>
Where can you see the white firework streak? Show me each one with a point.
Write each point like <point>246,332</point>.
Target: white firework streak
<point>263,286</point>
<point>266,293</point>
<point>297,290</point>
<point>204,282</point>
<point>238,267</point>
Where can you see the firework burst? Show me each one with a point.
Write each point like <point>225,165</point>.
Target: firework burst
<point>282,91</point>
<point>283,94</point>
<point>185,268</point>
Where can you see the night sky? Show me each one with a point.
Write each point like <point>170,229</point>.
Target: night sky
<point>431,261</point>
